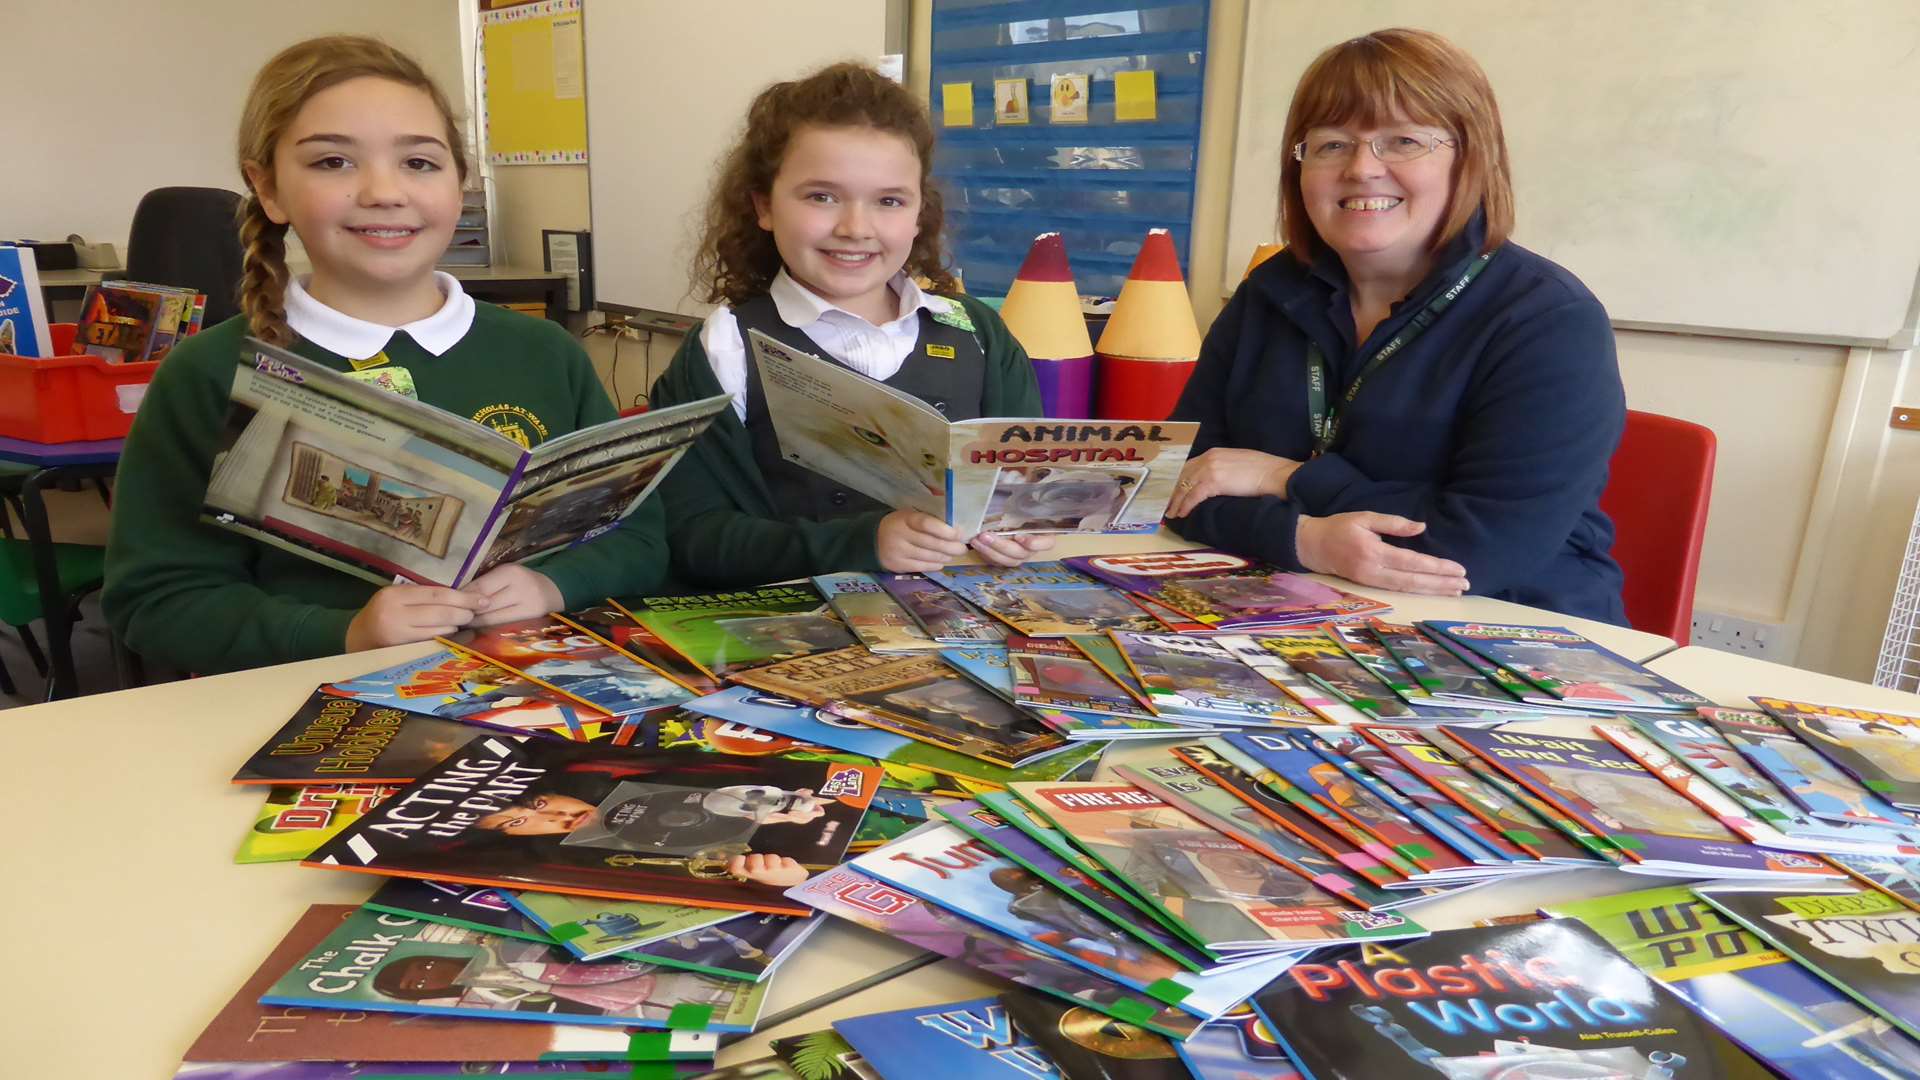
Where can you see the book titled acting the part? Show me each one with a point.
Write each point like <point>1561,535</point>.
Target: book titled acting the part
<point>1004,475</point>
<point>607,821</point>
<point>358,474</point>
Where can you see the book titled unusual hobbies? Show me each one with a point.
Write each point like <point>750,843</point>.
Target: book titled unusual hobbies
<point>606,821</point>
<point>1533,1000</point>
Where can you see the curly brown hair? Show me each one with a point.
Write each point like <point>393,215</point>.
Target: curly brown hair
<point>736,258</point>
<point>279,91</point>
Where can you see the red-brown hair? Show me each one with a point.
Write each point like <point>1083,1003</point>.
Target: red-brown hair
<point>1415,75</point>
<point>736,258</point>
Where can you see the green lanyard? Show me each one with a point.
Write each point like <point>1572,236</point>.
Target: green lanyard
<point>1325,418</point>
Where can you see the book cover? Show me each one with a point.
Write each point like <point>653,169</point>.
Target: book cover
<point>1550,812</point>
<point>425,1070</point>
<point>454,685</point>
<point>334,739</point>
<point>1862,943</point>
<point>247,1031</point>
<point>1245,780</point>
<point>117,321</point>
<point>988,475</point>
<point>1897,877</point>
<point>688,731</point>
<point>1050,673</point>
<point>1354,747</point>
<point>1197,675</point>
<point>1303,803</point>
<point>820,1055</point>
<point>1570,667</point>
<point>1696,744</point>
<point>964,1040</point>
<point>876,618</point>
<point>1224,894</point>
<point>1504,817</point>
<point>1879,749</point>
<point>953,773</point>
<point>376,961</point>
<point>23,309</point>
<point>295,820</point>
<point>547,650</point>
<point>1538,999</point>
<point>1043,599</point>
<point>943,614</point>
<point>1085,1045</point>
<point>724,632</point>
<point>594,927</point>
<point>846,893</point>
<point>1816,784</point>
<point>1186,788</point>
<point>943,865</point>
<point>1780,1012</point>
<point>1319,659</point>
<point>380,485</point>
<point>918,696</point>
<point>1238,1046</point>
<point>1337,747</point>
<point>1269,666</point>
<point>614,624</point>
<point>1225,591</point>
<point>1291,758</point>
<point>1722,807</point>
<point>1093,891</point>
<point>475,907</point>
<point>1607,791</point>
<point>1439,671</point>
<point>605,821</point>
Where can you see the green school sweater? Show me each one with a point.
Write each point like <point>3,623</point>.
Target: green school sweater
<point>204,599</point>
<point>720,515</point>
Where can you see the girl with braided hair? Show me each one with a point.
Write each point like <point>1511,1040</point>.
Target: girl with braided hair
<point>347,143</point>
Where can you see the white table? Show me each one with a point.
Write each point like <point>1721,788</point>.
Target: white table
<point>131,925</point>
<point>1730,679</point>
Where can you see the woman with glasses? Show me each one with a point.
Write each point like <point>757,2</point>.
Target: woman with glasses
<point>1404,397</point>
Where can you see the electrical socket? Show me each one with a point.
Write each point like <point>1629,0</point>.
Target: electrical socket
<point>1738,634</point>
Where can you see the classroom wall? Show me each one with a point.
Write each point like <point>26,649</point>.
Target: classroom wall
<point>118,97</point>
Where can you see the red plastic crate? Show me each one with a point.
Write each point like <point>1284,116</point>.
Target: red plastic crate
<point>69,398</point>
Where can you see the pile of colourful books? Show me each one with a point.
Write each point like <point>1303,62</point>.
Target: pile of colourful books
<point>1189,808</point>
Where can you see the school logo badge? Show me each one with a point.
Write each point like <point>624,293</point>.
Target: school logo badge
<point>513,422</point>
<point>7,285</point>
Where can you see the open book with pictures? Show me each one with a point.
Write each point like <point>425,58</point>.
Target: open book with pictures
<point>382,486</point>
<point>1001,475</point>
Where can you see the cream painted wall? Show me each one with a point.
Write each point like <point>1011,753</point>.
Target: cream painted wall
<point>90,80</point>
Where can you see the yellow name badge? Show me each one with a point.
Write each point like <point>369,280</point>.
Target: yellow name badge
<point>944,352</point>
<point>372,361</point>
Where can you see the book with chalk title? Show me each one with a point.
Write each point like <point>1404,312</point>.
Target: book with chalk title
<point>1538,999</point>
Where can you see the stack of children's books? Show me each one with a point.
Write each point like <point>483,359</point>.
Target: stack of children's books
<point>128,322</point>
<point>1190,841</point>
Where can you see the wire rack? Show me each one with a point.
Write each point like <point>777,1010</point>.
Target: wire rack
<point>1899,667</point>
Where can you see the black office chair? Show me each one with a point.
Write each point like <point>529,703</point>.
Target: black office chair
<point>188,236</point>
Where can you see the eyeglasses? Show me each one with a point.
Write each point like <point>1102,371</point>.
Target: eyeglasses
<point>1392,148</point>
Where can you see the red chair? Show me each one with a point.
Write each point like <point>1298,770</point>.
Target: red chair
<point>1657,493</point>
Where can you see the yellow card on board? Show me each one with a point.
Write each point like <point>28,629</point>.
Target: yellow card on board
<point>956,104</point>
<point>1134,97</point>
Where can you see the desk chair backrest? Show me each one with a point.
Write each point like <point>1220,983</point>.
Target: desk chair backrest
<point>1657,494</point>
<point>188,236</point>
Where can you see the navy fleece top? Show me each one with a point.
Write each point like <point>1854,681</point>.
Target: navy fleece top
<point>1494,426</point>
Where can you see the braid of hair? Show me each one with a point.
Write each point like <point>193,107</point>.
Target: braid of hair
<point>263,275</point>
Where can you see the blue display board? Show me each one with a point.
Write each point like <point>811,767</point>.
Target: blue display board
<point>1100,183</point>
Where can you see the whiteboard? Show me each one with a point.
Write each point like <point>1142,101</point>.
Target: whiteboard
<point>668,84</point>
<point>1742,165</point>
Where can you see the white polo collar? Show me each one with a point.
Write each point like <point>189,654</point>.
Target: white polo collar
<point>357,339</point>
<point>800,307</point>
